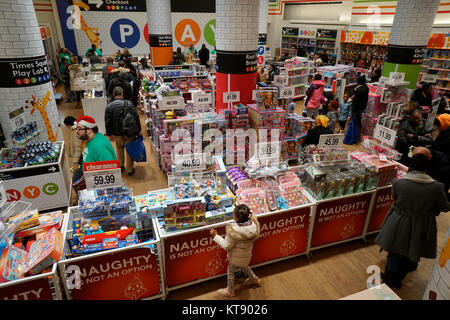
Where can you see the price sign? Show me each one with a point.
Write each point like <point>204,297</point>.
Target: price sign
<point>282,81</point>
<point>232,96</point>
<point>102,174</point>
<point>17,118</point>
<point>287,92</point>
<point>430,78</point>
<point>331,141</point>
<point>254,94</point>
<point>385,135</point>
<point>268,151</point>
<point>201,98</point>
<point>171,103</point>
<point>396,76</point>
<point>190,162</point>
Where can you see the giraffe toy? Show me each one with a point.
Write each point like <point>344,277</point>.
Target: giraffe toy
<point>40,104</point>
<point>91,33</point>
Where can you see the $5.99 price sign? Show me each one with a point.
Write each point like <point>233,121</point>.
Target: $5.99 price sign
<point>102,174</point>
<point>331,141</point>
<point>385,135</point>
<point>190,162</point>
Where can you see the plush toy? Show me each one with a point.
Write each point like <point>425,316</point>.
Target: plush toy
<point>282,203</point>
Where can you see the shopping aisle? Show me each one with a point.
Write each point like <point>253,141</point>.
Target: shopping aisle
<point>332,273</point>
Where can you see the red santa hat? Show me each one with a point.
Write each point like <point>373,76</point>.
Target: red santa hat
<point>86,121</point>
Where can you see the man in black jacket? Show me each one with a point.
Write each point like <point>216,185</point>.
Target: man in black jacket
<point>359,100</point>
<point>114,129</point>
<point>204,55</point>
<point>121,77</point>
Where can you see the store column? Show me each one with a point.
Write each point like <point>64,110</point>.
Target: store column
<point>411,29</point>
<point>262,36</point>
<point>160,31</point>
<point>26,91</point>
<point>236,43</point>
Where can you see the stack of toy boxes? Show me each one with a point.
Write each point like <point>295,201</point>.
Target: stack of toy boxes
<point>184,213</point>
<point>295,133</point>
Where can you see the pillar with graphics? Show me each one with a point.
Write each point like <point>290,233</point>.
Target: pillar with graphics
<point>411,29</point>
<point>26,91</point>
<point>160,31</point>
<point>262,28</point>
<point>236,44</point>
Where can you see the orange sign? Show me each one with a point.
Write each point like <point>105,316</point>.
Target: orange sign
<point>187,31</point>
<point>365,37</point>
<point>31,192</point>
<point>439,41</point>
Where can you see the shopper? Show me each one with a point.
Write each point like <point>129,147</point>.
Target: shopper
<point>76,79</point>
<point>143,64</point>
<point>317,61</point>
<point>136,82</point>
<point>359,103</point>
<point>375,77</point>
<point>121,77</point>
<point>178,57</point>
<point>332,115</point>
<point>93,58</point>
<point>192,51</point>
<point>240,235</point>
<point>204,55</point>
<point>74,143</point>
<point>93,48</point>
<point>107,70</point>
<point>423,95</point>
<point>314,96</point>
<point>344,112</point>
<point>64,53</point>
<point>442,142</point>
<point>285,56</point>
<point>324,56</point>
<point>126,54</point>
<point>439,167</point>
<point>412,132</point>
<point>409,229</point>
<point>313,136</point>
<point>65,75</point>
<point>114,127</point>
<point>98,147</point>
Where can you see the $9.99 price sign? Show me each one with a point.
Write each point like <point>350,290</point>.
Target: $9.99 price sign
<point>385,135</point>
<point>331,141</point>
<point>102,174</point>
<point>190,162</point>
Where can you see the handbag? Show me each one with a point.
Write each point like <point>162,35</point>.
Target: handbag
<point>136,149</point>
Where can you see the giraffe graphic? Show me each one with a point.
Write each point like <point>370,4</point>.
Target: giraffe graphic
<point>91,33</point>
<point>40,104</point>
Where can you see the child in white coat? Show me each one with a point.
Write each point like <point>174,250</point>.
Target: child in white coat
<point>239,243</point>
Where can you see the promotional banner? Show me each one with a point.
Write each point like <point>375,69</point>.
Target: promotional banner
<point>326,34</point>
<point>116,5</point>
<point>340,219</point>
<point>282,235</point>
<point>365,37</point>
<point>288,31</point>
<point>405,54</point>
<point>236,62</point>
<point>307,33</point>
<point>193,256</point>
<point>24,72</point>
<point>38,289</point>
<point>439,41</point>
<point>383,202</point>
<point>126,275</point>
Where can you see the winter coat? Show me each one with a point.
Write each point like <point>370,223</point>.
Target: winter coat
<point>121,77</point>
<point>360,99</point>
<point>345,110</point>
<point>423,100</point>
<point>74,147</point>
<point>315,94</point>
<point>204,56</point>
<point>314,134</point>
<point>409,228</point>
<point>239,241</point>
<point>105,71</point>
<point>442,142</point>
<point>76,77</point>
<point>112,113</point>
<point>419,138</point>
<point>439,169</point>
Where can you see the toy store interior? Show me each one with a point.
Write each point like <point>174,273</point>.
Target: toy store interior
<point>209,150</point>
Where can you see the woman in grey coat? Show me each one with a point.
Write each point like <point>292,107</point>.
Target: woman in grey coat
<point>409,230</point>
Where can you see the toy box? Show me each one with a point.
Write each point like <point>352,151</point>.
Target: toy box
<point>184,213</point>
<point>44,252</point>
<point>254,198</point>
<point>24,222</point>
<point>13,264</point>
<point>374,106</point>
<point>290,149</point>
<point>267,119</point>
<point>219,215</point>
<point>368,125</point>
<point>386,170</point>
<point>46,222</point>
<point>78,249</point>
<point>266,98</point>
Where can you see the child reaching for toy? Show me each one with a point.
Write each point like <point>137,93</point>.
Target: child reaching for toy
<point>344,112</point>
<point>239,243</point>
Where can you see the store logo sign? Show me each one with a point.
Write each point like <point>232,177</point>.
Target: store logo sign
<point>187,31</point>
<point>32,192</point>
<point>209,32</point>
<point>125,33</point>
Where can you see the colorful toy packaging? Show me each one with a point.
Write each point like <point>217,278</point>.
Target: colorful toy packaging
<point>44,252</point>
<point>266,99</point>
<point>184,213</point>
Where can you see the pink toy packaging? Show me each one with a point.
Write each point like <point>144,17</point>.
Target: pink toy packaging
<point>44,252</point>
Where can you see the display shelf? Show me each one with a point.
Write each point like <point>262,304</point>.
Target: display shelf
<point>440,69</point>
<point>441,88</point>
<point>443,79</point>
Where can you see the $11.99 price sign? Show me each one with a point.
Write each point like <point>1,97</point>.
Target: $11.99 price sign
<point>102,174</point>
<point>190,162</point>
<point>331,141</point>
<point>385,135</point>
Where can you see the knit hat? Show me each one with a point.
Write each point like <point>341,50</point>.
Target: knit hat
<point>334,104</point>
<point>444,120</point>
<point>86,121</point>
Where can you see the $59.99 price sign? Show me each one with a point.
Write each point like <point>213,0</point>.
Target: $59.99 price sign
<point>102,174</point>
<point>190,162</point>
<point>331,141</point>
<point>385,135</point>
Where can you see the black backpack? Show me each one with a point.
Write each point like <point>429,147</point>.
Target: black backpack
<point>127,122</point>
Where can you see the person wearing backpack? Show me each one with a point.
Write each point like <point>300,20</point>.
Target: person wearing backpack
<point>122,125</point>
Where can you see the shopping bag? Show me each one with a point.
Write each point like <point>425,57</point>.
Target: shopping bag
<point>136,149</point>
